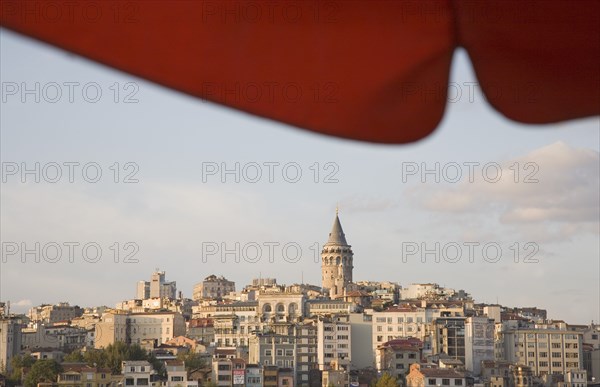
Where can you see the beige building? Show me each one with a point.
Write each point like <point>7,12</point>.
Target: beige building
<point>51,314</point>
<point>82,375</point>
<point>420,377</point>
<point>396,356</point>
<point>134,328</point>
<point>213,287</point>
<point>324,307</point>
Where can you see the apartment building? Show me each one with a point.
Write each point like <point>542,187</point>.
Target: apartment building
<point>547,350</point>
<point>449,337</point>
<point>138,373</point>
<point>82,375</point>
<point>411,320</point>
<point>334,341</point>
<point>479,342</point>
<point>213,287</point>
<point>51,314</point>
<point>135,328</point>
<point>10,341</point>
<point>396,356</point>
<point>419,376</point>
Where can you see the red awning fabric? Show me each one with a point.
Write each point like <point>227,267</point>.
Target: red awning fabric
<point>366,70</point>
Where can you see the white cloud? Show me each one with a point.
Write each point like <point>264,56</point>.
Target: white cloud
<point>553,188</point>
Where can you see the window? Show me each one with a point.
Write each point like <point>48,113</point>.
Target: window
<point>431,382</point>
<point>280,352</point>
<point>399,366</point>
<point>458,382</point>
<point>445,382</point>
<point>399,356</point>
<point>412,356</point>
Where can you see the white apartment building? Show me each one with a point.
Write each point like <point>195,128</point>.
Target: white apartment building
<point>334,341</point>
<point>410,321</point>
<point>137,373</point>
<point>479,342</point>
<point>546,350</point>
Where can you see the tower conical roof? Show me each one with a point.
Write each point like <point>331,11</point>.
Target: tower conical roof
<point>336,236</point>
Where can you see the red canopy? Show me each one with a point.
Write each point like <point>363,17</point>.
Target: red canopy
<point>367,70</point>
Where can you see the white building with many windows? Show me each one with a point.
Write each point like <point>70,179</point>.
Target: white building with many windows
<point>547,350</point>
<point>334,341</point>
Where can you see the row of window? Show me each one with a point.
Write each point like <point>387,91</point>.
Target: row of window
<point>400,328</point>
<point>445,382</point>
<point>279,352</point>
<point>400,320</point>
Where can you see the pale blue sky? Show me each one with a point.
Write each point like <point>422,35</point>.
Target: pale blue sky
<point>171,212</point>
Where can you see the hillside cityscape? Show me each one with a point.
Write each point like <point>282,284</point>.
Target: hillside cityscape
<point>342,332</point>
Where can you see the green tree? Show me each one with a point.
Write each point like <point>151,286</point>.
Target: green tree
<point>45,370</point>
<point>74,357</point>
<point>192,360</point>
<point>17,363</point>
<point>158,365</point>
<point>386,380</point>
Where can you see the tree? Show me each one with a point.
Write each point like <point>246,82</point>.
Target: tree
<point>74,357</point>
<point>192,360</point>
<point>45,370</point>
<point>386,380</point>
<point>18,362</point>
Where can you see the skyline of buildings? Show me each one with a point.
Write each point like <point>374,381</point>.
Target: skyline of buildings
<point>305,335</point>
